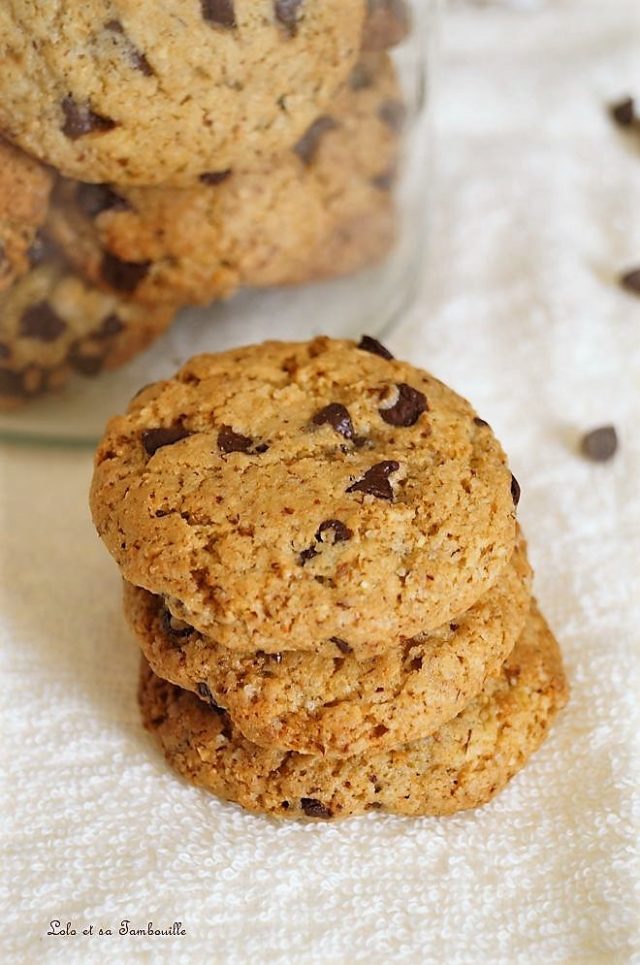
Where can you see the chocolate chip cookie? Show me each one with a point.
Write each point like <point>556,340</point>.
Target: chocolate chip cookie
<point>463,765</point>
<point>322,209</point>
<point>24,195</point>
<point>53,324</point>
<point>151,93</point>
<point>336,704</point>
<point>310,496</point>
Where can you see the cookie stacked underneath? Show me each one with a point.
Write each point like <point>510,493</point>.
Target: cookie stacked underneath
<point>325,575</point>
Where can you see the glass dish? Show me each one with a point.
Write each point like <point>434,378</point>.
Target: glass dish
<point>367,301</point>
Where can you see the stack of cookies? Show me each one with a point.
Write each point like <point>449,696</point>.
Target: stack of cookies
<point>154,156</point>
<point>324,572</point>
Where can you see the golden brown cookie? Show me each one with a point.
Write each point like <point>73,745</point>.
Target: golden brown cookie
<point>160,93</point>
<point>335,704</point>
<point>463,765</point>
<point>24,195</point>
<point>53,324</point>
<point>322,209</point>
<point>285,496</point>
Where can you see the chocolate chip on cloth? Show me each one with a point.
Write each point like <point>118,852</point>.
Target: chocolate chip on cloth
<point>329,702</point>
<point>219,534</point>
<point>313,212</point>
<point>222,82</point>
<point>25,185</point>
<point>464,764</point>
<point>53,324</point>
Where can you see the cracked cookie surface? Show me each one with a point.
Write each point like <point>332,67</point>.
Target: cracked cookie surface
<point>462,765</point>
<point>147,93</point>
<point>323,208</point>
<point>336,704</point>
<point>285,496</point>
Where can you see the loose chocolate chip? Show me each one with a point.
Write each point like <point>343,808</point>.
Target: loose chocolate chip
<point>286,12</point>
<point>110,326</point>
<point>341,644</point>
<point>515,490</point>
<point>480,422</point>
<point>154,439</point>
<point>393,113</point>
<point>230,441</point>
<point>337,416</point>
<point>341,533</point>
<point>93,199</point>
<point>372,345</point>
<point>307,555</point>
<point>137,59</point>
<point>631,281</point>
<point>79,120</point>
<point>314,808</point>
<point>124,276</point>
<point>408,407</point>
<point>601,444</point>
<point>86,363</point>
<point>41,249</point>
<point>307,146</point>
<point>215,177</point>
<point>219,12</point>
<point>41,322</point>
<point>174,627</point>
<point>5,351</point>
<point>623,112</point>
<point>375,481</point>
<point>385,180</point>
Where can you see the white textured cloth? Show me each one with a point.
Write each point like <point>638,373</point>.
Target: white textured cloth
<point>538,206</point>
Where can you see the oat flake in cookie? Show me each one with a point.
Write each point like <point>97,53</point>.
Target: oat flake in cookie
<point>151,93</point>
<point>225,536</point>
<point>333,703</point>
<point>463,765</point>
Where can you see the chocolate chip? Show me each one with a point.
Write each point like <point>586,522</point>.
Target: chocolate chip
<point>341,533</point>
<point>600,444</point>
<point>341,644</point>
<point>86,363</point>
<point>372,345</point>
<point>174,627</point>
<point>631,280</point>
<point>375,481</point>
<point>308,145</point>
<point>480,422</point>
<point>203,691</point>
<point>337,416</point>
<point>215,177</point>
<point>137,59</point>
<point>385,180</point>
<point>307,555</point>
<point>93,199</point>
<point>286,12</point>
<point>5,351</point>
<point>515,490</point>
<point>154,439</point>
<point>230,441</point>
<point>408,407</point>
<point>110,326</point>
<point>12,384</point>
<point>360,77</point>
<point>124,276</point>
<point>41,322</point>
<point>41,249</point>
<point>314,808</point>
<point>79,120</point>
<point>219,12</point>
<point>393,113</point>
<point>623,112</point>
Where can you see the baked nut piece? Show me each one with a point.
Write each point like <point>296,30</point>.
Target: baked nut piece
<point>334,704</point>
<point>388,22</point>
<point>53,324</point>
<point>463,765</point>
<point>284,496</point>
<point>161,93</point>
<point>24,195</point>
<point>321,209</point>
